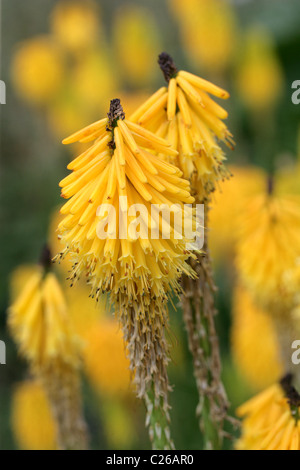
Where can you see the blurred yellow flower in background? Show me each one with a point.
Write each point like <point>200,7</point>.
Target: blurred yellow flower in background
<point>208,31</point>
<point>32,422</point>
<point>268,246</point>
<point>105,359</point>
<point>38,69</point>
<point>259,79</point>
<point>136,43</point>
<point>95,81</point>
<point>227,205</point>
<point>76,24</point>
<point>255,346</point>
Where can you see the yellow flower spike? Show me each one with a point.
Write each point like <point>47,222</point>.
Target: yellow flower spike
<point>270,225</point>
<point>192,123</point>
<point>41,327</point>
<point>270,420</point>
<point>137,272</point>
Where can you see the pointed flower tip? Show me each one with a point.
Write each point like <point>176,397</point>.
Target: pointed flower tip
<point>167,66</point>
<point>116,112</point>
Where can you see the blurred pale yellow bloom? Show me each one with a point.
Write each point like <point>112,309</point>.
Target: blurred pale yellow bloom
<point>32,422</point>
<point>268,420</point>
<point>94,81</point>
<point>38,70</point>
<point>227,205</point>
<point>75,24</point>
<point>255,345</point>
<point>209,32</point>
<point>259,75</point>
<point>136,42</point>
<point>105,358</point>
<point>268,246</point>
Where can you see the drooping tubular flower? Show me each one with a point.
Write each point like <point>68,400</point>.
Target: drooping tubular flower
<point>185,115</point>
<point>39,322</point>
<point>271,419</point>
<point>138,270</point>
<point>268,247</point>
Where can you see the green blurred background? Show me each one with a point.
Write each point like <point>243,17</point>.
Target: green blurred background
<point>62,62</point>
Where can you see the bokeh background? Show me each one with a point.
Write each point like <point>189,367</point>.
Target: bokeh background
<point>62,62</point>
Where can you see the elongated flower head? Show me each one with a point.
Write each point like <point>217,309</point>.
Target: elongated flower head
<point>268,247</point>
<point>123,174</point>
<point>255,345</point>
<point>39,322</point>
<point>185,115</point>
<point>121,169</point>
<point>271,419</point>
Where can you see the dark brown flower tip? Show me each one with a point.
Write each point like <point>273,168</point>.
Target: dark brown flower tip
<point>116,112</point>
<point>167,66</point>
<point>290,392</point>
<point>45,258</point>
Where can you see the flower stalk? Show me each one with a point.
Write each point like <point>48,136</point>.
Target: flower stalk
<point>199,316</point>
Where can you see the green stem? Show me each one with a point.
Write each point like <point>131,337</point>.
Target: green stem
<point>158,423</point>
